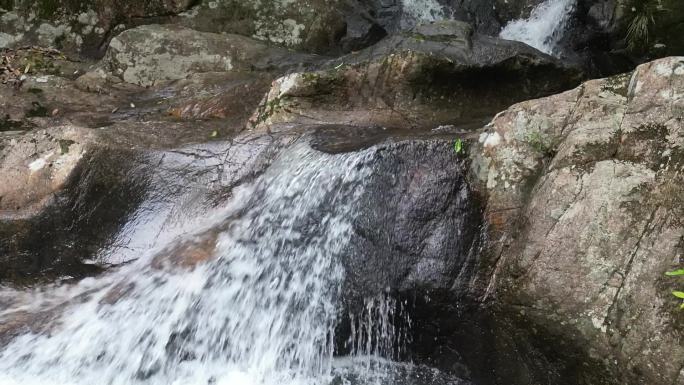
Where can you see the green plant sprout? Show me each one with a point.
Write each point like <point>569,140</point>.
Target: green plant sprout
<point>676,293</point>
<point>458,146</point>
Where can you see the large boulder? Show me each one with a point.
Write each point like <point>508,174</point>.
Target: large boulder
<point>585,206</point>
<point>319,26</point>
<point>154,53</point>
<point>435,74</point>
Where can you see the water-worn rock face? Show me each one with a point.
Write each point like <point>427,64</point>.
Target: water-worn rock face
<point>435,74</point>
<point>585,206</point>
<point>420,217</point>
<point>76,154</point>
<point>60,187</point>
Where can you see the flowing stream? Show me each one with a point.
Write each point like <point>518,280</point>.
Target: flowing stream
<point>245,293</point>
<point>544,28</point>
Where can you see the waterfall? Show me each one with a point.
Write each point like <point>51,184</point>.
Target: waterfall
<point>261,309</point>
<point>380,329</point>
<point>544,28</point>
<point>245,289</point>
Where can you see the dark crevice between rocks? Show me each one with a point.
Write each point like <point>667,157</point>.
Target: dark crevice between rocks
<point>597,32</point>
<point>489,89</point>
<point>484,343</point>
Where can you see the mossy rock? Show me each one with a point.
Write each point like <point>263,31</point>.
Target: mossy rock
<point>79,27</point>
<point>309,25</point>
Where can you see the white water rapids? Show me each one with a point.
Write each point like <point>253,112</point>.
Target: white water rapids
<point>544,28</point>
<point>261,310</point>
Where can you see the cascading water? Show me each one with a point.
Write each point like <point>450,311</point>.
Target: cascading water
<point>544,28</point>
<point>380,329</point>
<point>261,310</point>
<point>378,339</point>
<point>248,292</point>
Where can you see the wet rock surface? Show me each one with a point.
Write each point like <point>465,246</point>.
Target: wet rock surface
<point>47,240</point>
<point>78,147</point>
<point>434,75</point>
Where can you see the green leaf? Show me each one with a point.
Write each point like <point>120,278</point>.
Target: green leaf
<point>675,273</point>
<point>214,134</point>
<point>678,294</point>
<point>458,146</point>
<point>681,306</point>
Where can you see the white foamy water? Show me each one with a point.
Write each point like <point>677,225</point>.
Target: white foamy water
<point>415,12</point>
<point>260,310</point>
<point>544,28</point>
<point>380,329</point>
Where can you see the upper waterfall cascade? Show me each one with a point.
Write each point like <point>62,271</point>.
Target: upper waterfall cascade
<point>544,28</point>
